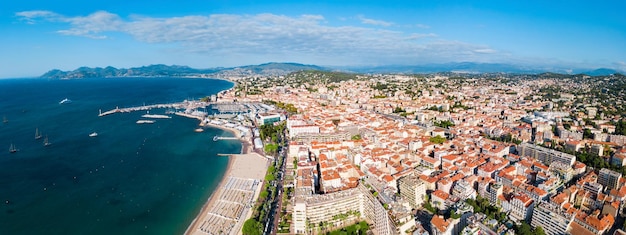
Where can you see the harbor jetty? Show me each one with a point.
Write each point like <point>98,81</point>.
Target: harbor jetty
<point>216,138</point>
<point>187,105</point>
<point>189,115</point>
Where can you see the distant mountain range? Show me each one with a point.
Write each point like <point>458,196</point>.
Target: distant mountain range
<point>470,67</point>
<point>601,72</point>
<point>160,70</point>
<point>278,69</point>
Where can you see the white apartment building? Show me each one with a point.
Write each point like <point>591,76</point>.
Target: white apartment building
<point>303,129</point>
<point>521,207</point>
<point>494,191</point>
<point>463,190</point>
<point>311,210</point>
<point>609,179</point>
<point>413,190</point>
<point>551,218</point>
<point>545,155</point>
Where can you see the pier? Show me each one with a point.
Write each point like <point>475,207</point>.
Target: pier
<point>225,109</point>
<point>216,138</point>
<point>189,115</point>
<point>187,105</point>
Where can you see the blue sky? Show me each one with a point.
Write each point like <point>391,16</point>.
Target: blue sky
<point>39,35</point>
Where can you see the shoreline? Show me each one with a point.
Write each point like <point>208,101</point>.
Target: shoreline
<point>210,201</point>
<point>244,174</point>
<point>234,163</point>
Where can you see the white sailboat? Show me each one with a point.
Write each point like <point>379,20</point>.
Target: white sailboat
<point>45,141</point>
<point>37,134</point>
<point>12,148</point>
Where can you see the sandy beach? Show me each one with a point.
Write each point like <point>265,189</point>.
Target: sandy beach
<point>231,203</point>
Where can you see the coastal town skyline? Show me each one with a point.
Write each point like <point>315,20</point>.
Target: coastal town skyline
<point>44,35</point>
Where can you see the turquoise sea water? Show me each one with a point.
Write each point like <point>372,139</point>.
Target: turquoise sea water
<point>131,179</point>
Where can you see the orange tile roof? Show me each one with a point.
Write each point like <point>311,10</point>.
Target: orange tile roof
<point>450,157</point>
<point>524,198</point>
<point>560,198</point>
<point>508,170</point>
<point>579,165</point>
<point>430,160</point>
<point>441,194</point>
<point>600,224</point>
<point>388,178</point>
<point>428,179</point>
<point>440,223</point>
<point>453,168</point>
<point>457,177</point>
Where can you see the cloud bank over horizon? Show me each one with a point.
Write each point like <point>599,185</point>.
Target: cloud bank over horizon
<point>40,35</point>
<point>274,36</point>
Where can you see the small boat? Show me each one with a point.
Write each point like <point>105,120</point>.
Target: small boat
<point>199,130</point>
<point>12,148</point>
<point>156,116</point>
<point>37,134</point>
<point>215,138</point>
<point>94,134</point>
<point>5,120</point>
<point>65,101</point>
<point>145,121</point>
<point>45,142</point>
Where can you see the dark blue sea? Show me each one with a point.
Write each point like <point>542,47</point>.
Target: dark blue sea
<point>130,179</point>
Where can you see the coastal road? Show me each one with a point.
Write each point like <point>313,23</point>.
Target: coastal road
<point>274,215</point>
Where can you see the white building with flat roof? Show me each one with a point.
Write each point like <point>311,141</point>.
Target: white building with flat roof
<point>413,190</point>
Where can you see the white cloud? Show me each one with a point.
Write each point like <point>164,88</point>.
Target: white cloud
<point>93,24</point>
<point>272,36</point>
<point>485,51</point>
<point>422,26</point>
<point>374,22</point>
<point>88,26</point>
<point>29,16</point>
<point>420,35</point>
